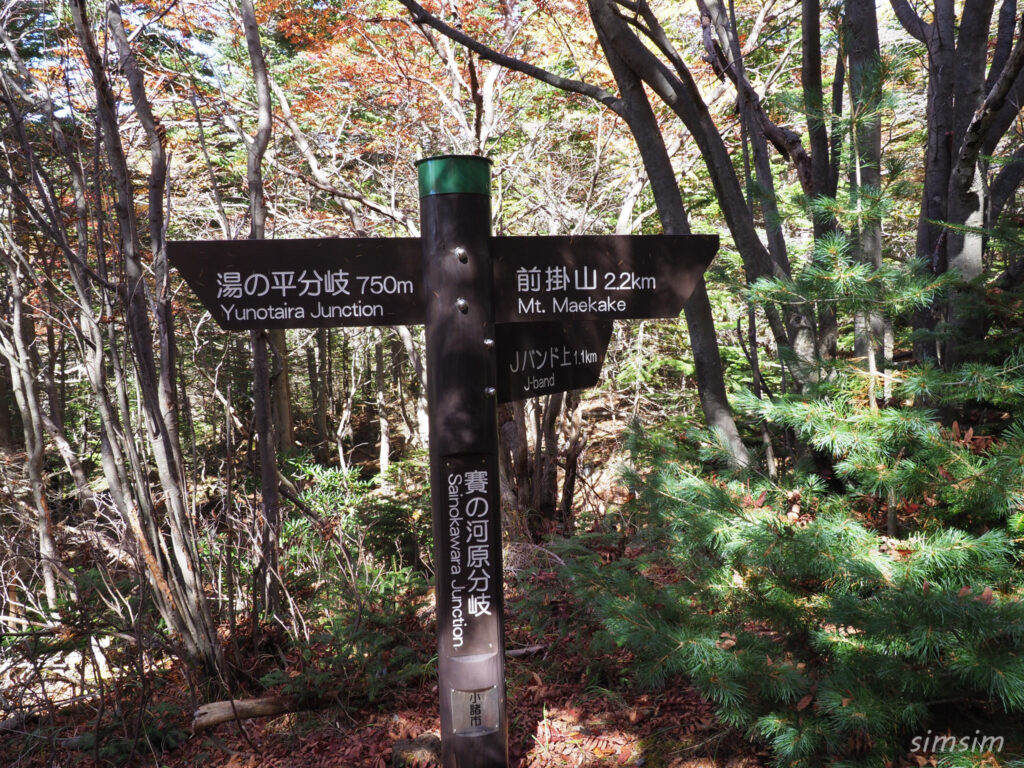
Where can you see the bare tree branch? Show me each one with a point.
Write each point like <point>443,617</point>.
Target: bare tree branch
<point>975,137</point>
<point>1004,41</point>
<point>421,16</point>
<point>785,141</point>
<point>917,27</point>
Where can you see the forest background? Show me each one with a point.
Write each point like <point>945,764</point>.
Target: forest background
<point>794,515</point>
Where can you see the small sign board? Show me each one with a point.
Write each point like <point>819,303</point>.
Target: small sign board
<point>309,283</point>
<point>541,358</point>
<point>596,277</point>
<point>476,712</point>
<point>472,532</point>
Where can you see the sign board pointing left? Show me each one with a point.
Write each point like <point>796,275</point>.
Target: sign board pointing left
<point>312,283</point>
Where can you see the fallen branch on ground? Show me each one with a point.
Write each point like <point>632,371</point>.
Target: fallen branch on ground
<point>529,650</point>
<point>217,712</point>
<point>19,720</point>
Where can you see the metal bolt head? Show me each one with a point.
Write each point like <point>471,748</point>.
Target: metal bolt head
<point>489,343</point>
<point>462,305</point>
<point>490,391</point>
<point>461,254</point>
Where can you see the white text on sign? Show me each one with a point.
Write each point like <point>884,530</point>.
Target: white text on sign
<point>469,550</point>
<point>560,279</point>
<point>540,366</point>
<point>564,281</point>
<point>341,291</point>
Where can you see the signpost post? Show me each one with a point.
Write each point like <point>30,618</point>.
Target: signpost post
<point>506,318</point>
<point>455,219</point>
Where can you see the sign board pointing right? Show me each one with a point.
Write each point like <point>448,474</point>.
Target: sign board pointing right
<point>541,358</point>
<point>596,277</point>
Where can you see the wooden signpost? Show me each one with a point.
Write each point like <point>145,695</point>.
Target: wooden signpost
<point>506,318</point>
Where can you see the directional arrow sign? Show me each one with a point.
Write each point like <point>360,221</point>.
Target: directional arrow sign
<point>541,358</point>
<point>305,283</point>
<point>317,283</point>
<point>606,277</point>
<point>506,318</point>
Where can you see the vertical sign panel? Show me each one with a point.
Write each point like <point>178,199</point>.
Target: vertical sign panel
<point>474,553</point>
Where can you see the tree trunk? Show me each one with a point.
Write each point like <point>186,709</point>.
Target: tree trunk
<point>316,368</point>
<point>575,439</point>
<point>699,321</point>
<point>181,583</point>
<point>6,421</point>
<point>800,330</point>
<point>265,575</point>
<point>823,181</point>
<point>24,367</point>
<point>383,430</point>
<point>979,107</point>
<point>968,111</point>
<point>86,497</point>
<point>513,516</point>
<point>265,589</point>
<point>871,330</point>
<point>281,391</point>
<point>545,483</point>
<point>415,354</point>
<point>520,448</point>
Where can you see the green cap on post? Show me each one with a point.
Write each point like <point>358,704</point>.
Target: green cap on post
<point>454,174</point>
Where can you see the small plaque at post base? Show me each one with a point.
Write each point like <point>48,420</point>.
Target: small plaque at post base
<point>475,712</point>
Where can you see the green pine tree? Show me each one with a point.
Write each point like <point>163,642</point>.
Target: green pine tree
<point>793,604</point>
